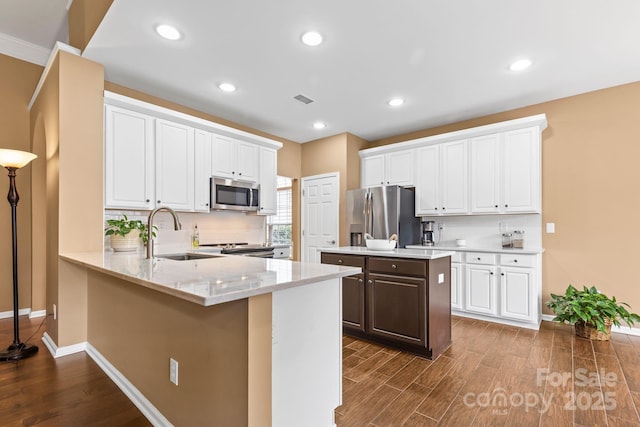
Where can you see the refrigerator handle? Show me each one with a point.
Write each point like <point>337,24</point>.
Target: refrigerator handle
<point>369,216</point>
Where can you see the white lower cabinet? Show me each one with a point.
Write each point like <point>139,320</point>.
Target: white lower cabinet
<point>517,296</point>
<point>456,286</point>
<point>480,287</point>
<point>500,287</point>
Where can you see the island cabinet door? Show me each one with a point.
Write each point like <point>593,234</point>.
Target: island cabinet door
<point>396,308</point>
<point>353,290</point>
<point>353,302</point>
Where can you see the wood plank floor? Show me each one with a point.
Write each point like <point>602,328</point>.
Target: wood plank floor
<point>68,391</point>
<point>495,375</point>
<point>492,375</point>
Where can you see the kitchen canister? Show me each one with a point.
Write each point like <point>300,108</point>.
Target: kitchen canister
<point>507,240</point>
<point>518,239</point>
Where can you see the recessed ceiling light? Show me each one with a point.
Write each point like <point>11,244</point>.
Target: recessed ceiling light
<point>227,87</point>
<point>396,102</point>
<point>319,125</point>
<point>312,38</point>
<point>168,32</point>
<point>520,65</point>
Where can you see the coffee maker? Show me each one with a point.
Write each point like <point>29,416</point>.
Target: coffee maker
<point>428,230</point>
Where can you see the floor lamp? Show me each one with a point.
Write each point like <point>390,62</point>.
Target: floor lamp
<point>14,160</point>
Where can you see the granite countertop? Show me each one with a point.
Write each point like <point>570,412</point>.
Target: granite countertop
<point>489,249</point>
<point>394,253</point>
<point>209,281</point>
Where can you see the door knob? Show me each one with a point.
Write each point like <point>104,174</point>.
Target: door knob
<point>333,242</point>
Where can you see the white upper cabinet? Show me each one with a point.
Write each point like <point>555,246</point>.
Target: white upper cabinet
<point>505,171</point>
<point>235,159</point>
<point>203,146</point>
<point>174,165</point>
<point>442,180</point>
<point>268,181</point>
<point>129,165</point>
<point>394,168</point>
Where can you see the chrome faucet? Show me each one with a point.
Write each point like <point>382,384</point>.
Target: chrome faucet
<point>176,225</point>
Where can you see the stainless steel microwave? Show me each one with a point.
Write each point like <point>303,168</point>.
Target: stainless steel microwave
<point>228,194</point>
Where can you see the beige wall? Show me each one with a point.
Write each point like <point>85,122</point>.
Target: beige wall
<point>84,18</point>
<point>590,170</point>
<point>139,329</point>
<point>18,80</point>
<point>66,122</point>
<point>338,153</point>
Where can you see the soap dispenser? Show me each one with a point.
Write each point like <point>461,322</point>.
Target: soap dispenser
<point>195,237</point>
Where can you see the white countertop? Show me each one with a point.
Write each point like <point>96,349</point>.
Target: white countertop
<point>395,253</point>
<point>491,249</point>
<point>209,281</point>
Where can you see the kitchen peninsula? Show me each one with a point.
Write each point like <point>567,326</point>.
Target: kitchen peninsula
<point>257,341</point>
<point>401,299</point>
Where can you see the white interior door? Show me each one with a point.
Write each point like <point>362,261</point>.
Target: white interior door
<point>320,210</point>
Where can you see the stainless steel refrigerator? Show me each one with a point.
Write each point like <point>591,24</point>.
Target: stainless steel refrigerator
<point>381,212</point>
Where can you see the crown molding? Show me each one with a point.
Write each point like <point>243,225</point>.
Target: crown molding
<point>20,49</point>
<point>51,57</point>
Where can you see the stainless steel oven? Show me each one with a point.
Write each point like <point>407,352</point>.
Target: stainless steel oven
<point>229,194</point>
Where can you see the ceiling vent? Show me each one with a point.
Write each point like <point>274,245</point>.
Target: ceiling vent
<point>303,99</point>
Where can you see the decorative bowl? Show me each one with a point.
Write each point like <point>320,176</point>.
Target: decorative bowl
<point>380,244</point>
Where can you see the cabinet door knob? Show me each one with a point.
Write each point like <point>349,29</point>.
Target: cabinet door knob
<point>359,280</point>
<point>340,261</point>
<point>496,206</point>
<point>394,266</point>
<point>491,273</point>
<point>436,208</point>
<point>502,274</point>
<point>506,206</point>
<point>443,208</point>
<point>369,281</point>
<point>479,258</point>
<point>158,201</point>
<point>148,200</point>
<point>206,204</point>
<point>515,260</point>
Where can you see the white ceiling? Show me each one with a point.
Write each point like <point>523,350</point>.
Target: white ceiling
<point>39,22</point>
<point>449,60</point>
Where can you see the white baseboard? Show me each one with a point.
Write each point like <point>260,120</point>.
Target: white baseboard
<point>62,351</point>
<point>534,326</point>
<point>9,314</point>
<point>37,313</point>
<point>137,398</point>
<point>618,329</point>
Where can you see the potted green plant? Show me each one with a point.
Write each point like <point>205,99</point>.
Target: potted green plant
<point>125,233</point>
<point>590,311</point>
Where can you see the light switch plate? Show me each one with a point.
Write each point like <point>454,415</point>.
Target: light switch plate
<point>551,227</point>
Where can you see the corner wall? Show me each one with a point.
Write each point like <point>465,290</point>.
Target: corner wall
<point>590,172</point>
<point>18,80</point>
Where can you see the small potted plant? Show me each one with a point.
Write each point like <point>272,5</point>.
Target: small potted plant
<point>591,312</point>
<point>126,234</point>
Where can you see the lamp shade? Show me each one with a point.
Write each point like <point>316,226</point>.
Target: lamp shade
<point>15,158</point>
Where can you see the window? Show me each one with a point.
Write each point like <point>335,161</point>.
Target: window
<point>279,225</point>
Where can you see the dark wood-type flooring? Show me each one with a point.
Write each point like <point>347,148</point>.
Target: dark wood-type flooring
<point>493,375</point>
<point>68,391</point>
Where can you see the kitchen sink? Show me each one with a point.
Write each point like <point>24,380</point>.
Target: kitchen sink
<point>187,256</point>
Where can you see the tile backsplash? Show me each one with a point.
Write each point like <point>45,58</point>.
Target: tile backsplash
<point>486,230</point>
<point>214,227</point>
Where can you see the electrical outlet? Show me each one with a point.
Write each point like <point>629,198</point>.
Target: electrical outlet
<point>55,312</point>
<point>173,371</point>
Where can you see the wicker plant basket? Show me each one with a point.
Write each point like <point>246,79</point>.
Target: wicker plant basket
<point>589,331</point>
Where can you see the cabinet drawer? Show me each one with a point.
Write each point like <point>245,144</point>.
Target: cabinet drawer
<point>480,258</point>
<point>340,259</point>
<point>400,266</point>
<point>457,257</point>
<point>515,260</point>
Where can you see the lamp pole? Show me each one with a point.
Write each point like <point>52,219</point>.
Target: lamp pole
<point>14,160</point>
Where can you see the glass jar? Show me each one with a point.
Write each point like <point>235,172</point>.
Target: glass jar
<point>518,239</point>
<point>507,240</point>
